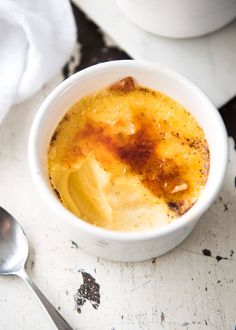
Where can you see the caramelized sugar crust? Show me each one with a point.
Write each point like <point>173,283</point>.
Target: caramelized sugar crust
<point>131,130</point>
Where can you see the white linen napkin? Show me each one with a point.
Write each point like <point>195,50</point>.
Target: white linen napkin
<point>36,39</point>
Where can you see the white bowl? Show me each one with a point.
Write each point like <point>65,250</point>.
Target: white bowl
<point>179,18</point>
<point>128,246</point>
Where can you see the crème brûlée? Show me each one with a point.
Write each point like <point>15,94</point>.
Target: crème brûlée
<point>128,158</point>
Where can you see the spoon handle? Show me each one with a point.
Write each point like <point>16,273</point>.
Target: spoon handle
<point>58,320</point>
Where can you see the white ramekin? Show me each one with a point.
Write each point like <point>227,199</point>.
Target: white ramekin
<point>125,246</point>
<point>179,18</point>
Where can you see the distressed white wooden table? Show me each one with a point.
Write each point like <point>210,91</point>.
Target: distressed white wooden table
<point>192,287</point>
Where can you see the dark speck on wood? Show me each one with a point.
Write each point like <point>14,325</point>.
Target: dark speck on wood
<point>154,260</point>
<point>225,204</point>
<point>88,291</point>
<point>219,258</point>
<point>29,265</point>
<point>162,317</point>
<point>74,245</point>
<point>185,324</point>
<point>231,253</point>
<point>226,207</point>
<point>206,253</point>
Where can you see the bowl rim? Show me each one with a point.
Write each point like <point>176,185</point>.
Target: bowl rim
<point>103,233</point>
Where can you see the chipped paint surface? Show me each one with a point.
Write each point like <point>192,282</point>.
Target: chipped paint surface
<point>88,291</point>
<point>184,289</point>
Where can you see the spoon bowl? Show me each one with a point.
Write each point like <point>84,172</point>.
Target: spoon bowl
<point>14,252</point>
<point>14,247</point>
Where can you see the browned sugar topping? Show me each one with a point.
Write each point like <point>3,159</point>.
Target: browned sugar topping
<point>139,152</point>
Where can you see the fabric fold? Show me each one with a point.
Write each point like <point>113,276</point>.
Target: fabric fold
<point>36,38</point>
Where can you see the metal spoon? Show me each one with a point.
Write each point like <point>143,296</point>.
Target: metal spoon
<point>14,252</point>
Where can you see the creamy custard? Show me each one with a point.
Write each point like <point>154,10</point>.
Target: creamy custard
<point>128,158</point>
